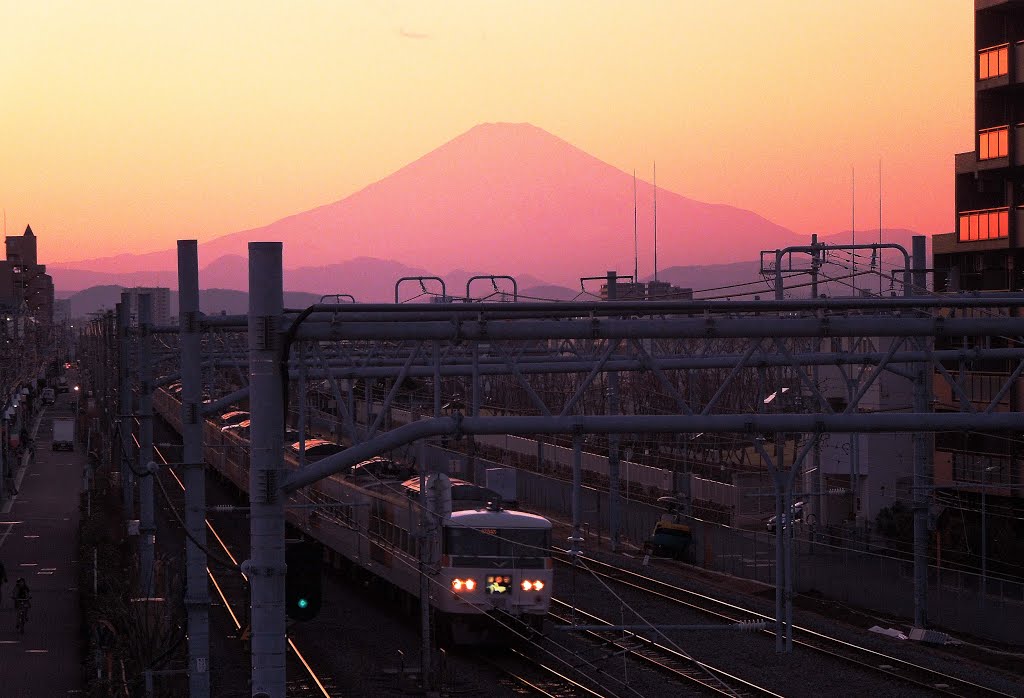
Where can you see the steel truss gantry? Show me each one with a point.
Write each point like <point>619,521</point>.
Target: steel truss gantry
<point>743,348</point>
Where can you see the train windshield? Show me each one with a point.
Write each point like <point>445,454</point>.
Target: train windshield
<point>499,548</point>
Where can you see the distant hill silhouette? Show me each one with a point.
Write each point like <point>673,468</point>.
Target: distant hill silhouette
<point>212,301</point>
<point>510,198</point>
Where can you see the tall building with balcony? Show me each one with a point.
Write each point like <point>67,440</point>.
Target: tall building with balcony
<point>986,251</point>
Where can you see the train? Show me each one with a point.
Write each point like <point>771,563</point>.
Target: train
<point>488,567</point>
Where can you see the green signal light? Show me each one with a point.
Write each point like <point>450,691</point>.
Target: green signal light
<point>303,603</point>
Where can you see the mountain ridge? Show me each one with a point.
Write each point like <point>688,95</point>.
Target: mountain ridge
<point>496,196</point>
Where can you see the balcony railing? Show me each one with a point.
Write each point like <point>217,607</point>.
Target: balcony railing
<point>993,61</point>
<point>987,224</point>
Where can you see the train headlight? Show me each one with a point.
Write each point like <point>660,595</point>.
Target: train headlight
<point>528,584</point>
<point>460,584</point>
<point>538,585</point>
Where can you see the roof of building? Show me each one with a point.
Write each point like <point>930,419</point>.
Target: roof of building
<point>28,231</point>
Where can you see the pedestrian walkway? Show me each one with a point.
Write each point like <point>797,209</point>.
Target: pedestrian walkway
<point>38,541</point>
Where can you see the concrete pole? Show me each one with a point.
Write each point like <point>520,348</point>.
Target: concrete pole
<point>266,569</point>
<point>197,594</point>
<point>614,502</point>
<point>124,408</point>
<point>922,455</point>
<point>147,521</point>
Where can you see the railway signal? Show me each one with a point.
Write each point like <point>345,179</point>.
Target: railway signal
<point>303,592</point>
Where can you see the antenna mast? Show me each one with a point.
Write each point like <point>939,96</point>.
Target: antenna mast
<point>880,272</point>
<point>853,225</point>
<point>636,252</point>
<point>655,221</point>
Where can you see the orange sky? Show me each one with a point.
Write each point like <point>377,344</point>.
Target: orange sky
<point>128,125</point>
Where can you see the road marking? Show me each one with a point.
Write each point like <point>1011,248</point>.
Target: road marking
<point>30,536</point>
<point>29,564</point>
<point>36,651</point>
<point>10,527</point>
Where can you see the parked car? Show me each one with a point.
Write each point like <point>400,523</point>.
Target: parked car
<point>48,396</point>
<point>798,515</point>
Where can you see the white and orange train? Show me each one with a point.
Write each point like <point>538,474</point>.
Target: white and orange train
<point>489,569</point>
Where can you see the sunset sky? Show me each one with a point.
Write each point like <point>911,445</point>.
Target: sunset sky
<point>128,125</point>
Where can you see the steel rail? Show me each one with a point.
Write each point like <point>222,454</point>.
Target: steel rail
<point>931,679</point>
<point>562,682</point>
<point>734,685</point>
<point>217,587</point>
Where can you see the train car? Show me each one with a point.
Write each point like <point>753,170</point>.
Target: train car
<point>488,568</point>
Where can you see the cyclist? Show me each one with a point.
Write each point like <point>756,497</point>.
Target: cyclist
<point>22,602</point>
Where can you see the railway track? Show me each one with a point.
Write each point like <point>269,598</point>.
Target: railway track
<point>662,658</point>
<point>227,586</point>
<point>848,652</point>
<point>534,676</point>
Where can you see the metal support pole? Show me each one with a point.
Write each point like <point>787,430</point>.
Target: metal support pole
<point>577,495</point>
<point>197,592</point>
<point>819,501</point>
<point>922,455</point>
<point>984,540</point>
<point>147,520</point>
<point>266,569</point>
<point>424,563</point>
<point>124,407</point>
<point>614,498</point>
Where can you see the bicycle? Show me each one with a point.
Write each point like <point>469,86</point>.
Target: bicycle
<point>22,605</point>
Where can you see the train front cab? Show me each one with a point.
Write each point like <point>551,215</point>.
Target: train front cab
<point>496,566</point>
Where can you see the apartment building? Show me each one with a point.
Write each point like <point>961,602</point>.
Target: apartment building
<point>986,251</point>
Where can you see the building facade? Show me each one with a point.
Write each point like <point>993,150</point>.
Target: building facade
<point>160,303</point>
<point>24,283</point>
<point>986,251</point>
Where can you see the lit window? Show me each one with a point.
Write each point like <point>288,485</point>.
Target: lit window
<point>993,143</point>
<point>984,225</point>
<point>993,62</point>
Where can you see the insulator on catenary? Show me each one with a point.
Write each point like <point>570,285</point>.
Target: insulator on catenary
<point>752,625</point>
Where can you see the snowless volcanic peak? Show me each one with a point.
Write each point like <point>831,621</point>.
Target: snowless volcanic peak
<point>509,199</point>
<point>513,198</point>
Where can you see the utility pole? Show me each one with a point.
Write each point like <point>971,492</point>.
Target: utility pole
<point>922,453</point>
<point>266,568</point>
<point>197,592</point>
<point>147,522</point>
<point>613,439</point>
<point>124,408</point>
<point>426,526</point>
<point>818,488</point>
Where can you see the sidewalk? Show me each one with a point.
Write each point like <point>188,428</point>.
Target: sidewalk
<point>38,541</point>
